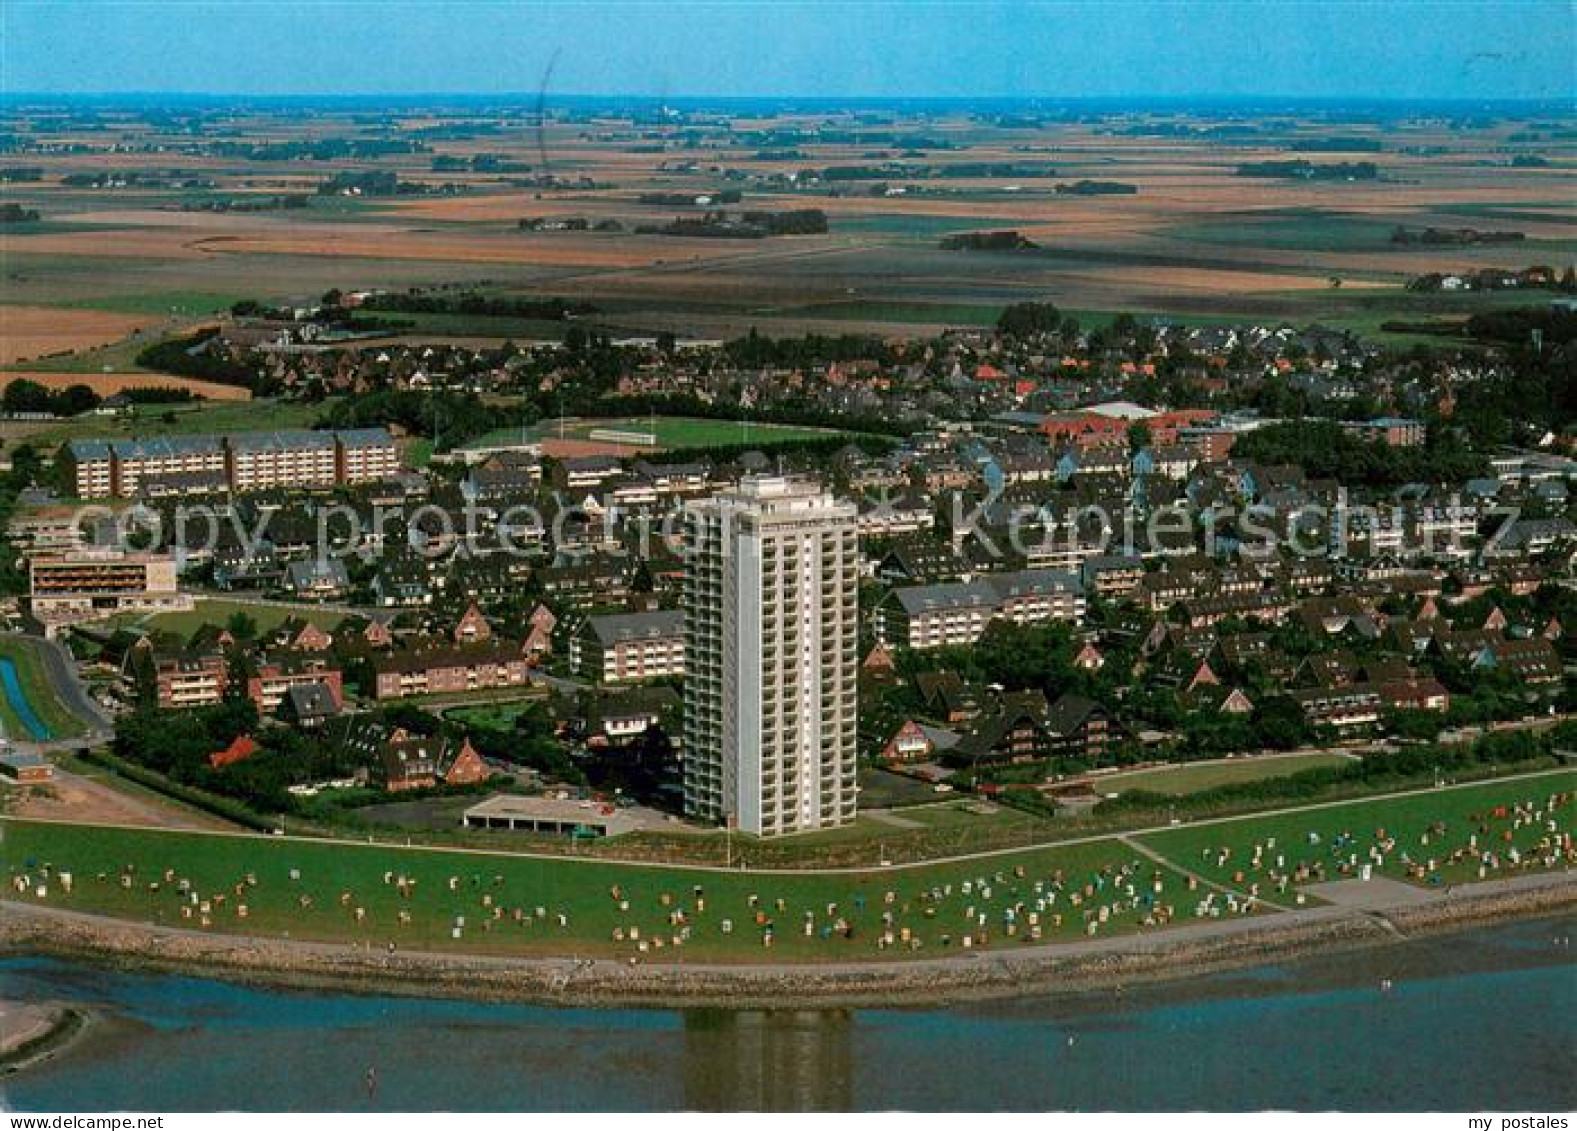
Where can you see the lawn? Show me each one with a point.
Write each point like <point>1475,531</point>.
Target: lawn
<point>219,611</point>
<point>512,903</point>
<point>730,918</point>
<point>1179,780</point>
<point>1338,838</point>
<point>46,705</point>
<point>496,716</point>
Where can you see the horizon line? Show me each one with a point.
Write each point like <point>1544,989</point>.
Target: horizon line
<point>1139,99</point>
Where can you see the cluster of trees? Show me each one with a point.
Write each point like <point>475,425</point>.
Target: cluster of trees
<point>1097,188</point>
<point>13,213</point>
<point>1324,450</point>
<point>319,149</point>
<point>480,305</point>
<point>755,350</point>
<point>984,170</point>
<point>26,469</point>
<point>749,225</point>
<point>1534,391</point>
<point>794,222</point>
<point>1555,327</point>
<point>285,203</point>
<point>23,395</point>
<point>199,356</point>
<point>1451,237</point>
<point>380,182</point>
<point>1308,171</point>
<point>1026,319</point>
<point>448,418</point>
<point>478,163</point>
<point>987,241</point>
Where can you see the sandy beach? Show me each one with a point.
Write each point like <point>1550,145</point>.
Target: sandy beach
<point>1151,956</point>
<point>35,1030</point>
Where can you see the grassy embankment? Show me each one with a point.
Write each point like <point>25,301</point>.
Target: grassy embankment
<point>37,686</point>
<point>929,900</point>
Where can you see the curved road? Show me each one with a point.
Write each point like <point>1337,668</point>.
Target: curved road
<point>68,684</point>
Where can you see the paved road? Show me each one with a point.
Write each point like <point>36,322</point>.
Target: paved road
<point>68,685</point>
<point>558,683</point>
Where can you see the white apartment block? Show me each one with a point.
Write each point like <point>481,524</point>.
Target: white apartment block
<point>771,657</point>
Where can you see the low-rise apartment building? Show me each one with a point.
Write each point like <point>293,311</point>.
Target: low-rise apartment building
<point>627,647</point>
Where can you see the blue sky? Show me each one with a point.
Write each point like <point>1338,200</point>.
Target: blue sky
<point>946,48</point>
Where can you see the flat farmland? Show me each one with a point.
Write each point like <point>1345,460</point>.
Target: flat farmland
<point>1194,241</point>
<point>107,384</point>
<point>28,332</point>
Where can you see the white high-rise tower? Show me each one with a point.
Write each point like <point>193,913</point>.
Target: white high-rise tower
<point>771,661</point>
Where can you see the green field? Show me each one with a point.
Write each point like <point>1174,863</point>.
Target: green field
<point>1178,780</point>
<point>338,878</point>
<point>671,431</point>
<point>36,685</point>
<point>218,611</point>
<point>1407,819</point>
<point>1073,881</point>
<point>176,303</point>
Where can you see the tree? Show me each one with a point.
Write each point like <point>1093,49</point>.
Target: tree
<point>1139,437</point>
<point>1025,319</point>
<point>241,626</point>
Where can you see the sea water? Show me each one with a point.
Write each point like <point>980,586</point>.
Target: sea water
<point>1480,1020</point>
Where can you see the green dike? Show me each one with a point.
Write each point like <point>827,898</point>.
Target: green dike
<point>39,689</point>
<point>1350,828</point>
<point>340,877</point>
<point>580,890</point>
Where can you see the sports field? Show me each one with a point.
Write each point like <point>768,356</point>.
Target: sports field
<point>627,434</point>
<point>494,902</point>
